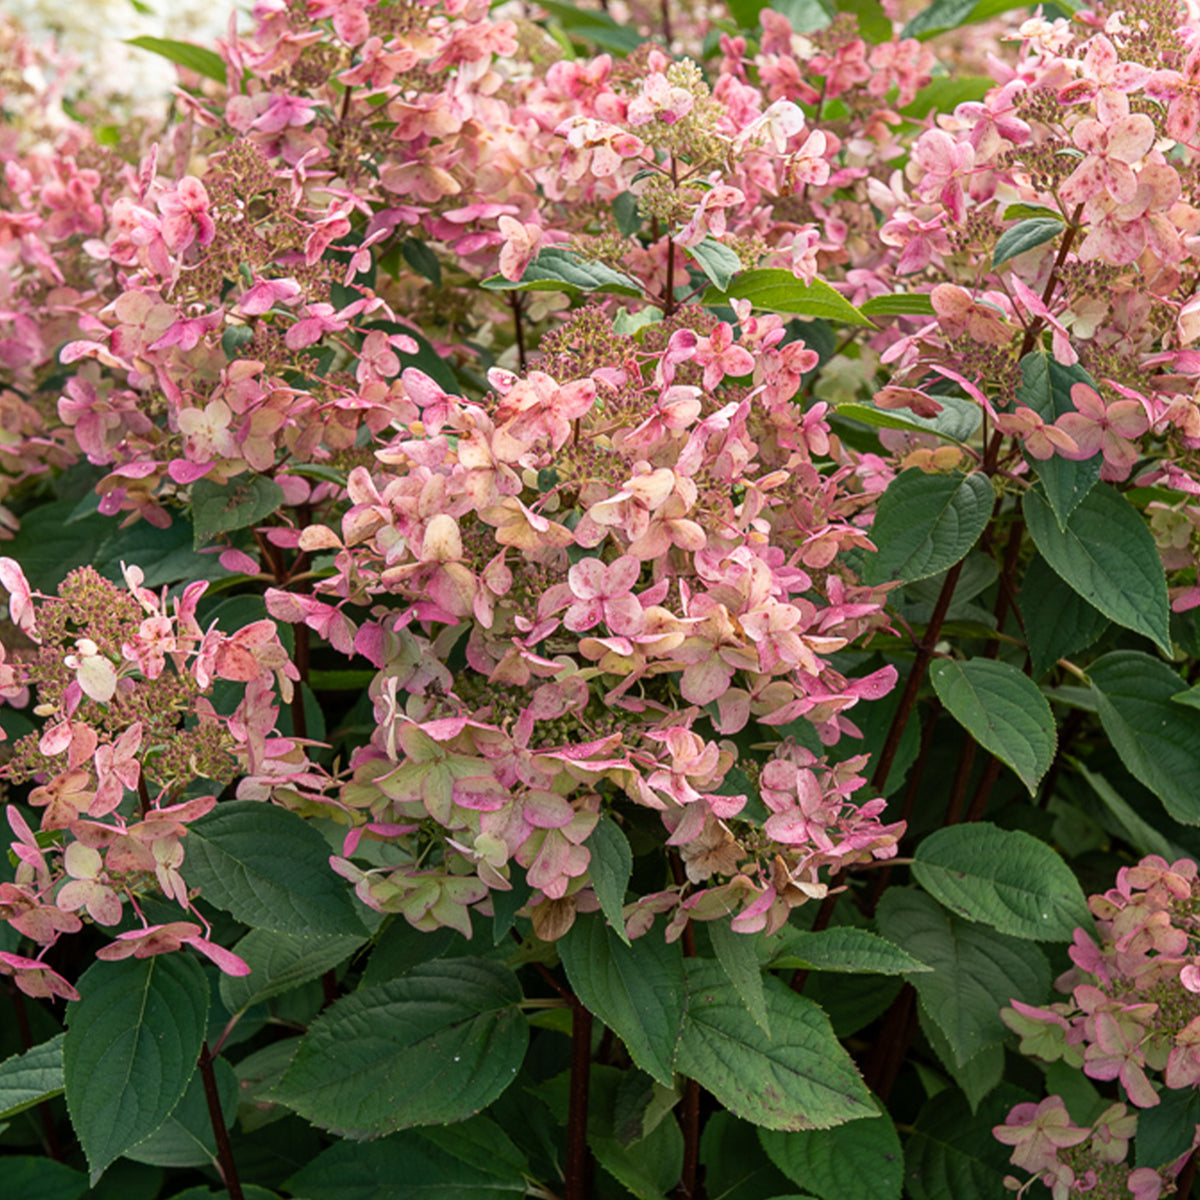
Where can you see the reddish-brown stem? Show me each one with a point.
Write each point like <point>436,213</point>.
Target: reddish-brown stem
<point>514,301</point>
<point>579,1166</point>
<point>962,776</point>
<point>669,297</point>
<point>25,1033</point>
<point>225,1163</point>
<point>300,657</point>
<point>143,809</point>
<point>910,801</point>
<point>666,22</point>
<point>689,1121</point>
<point>891,1046</point>
<point>329,988</point>
<point>912,684</point>
<point>1183,1185</point>
<point>983,793</point>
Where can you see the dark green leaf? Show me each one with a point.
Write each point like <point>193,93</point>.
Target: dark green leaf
<point>1046,388</point>
<point>194,58</point>
<point>855,951</point>
<point>1003,878</point>
<point>279,962</point>
<point>900,304</point>
<point>780,291</point>
<point>1165,1132</point>
<point>1002,709</point>
<point>472,1159</point>
<point>609,870</point>
<point>648,1167</point>
<point>738,957</point>
<point>30,1178</point>
<point>589,25</point>
<point>28,1079</point>
<point>270,869</point>
<point>223,507</point>
<point>952,1155</point>
<point>953,14</point>
<point>556,269</point>
<point>976,971</point>
<point>735,1167</point>
<point>434,1046</point>
<point>926,523</point>
<point>1130,825</point>
<point>800,1078</point>
<point>945,93</point>
<point>1108,555</point>
<point>234,338</point>
<point>185,1138</point>
<point>422,260</point>
<point>1025,235</point>
<point>626,214</point>
<point>1058,621</point>
<point>132,1042</point>
<point>860,1160</point>
<point>717,261</point>
<point>1157,739</point>
<point>638,990</point>
<point>873,23</point>
<point>978,1075</point>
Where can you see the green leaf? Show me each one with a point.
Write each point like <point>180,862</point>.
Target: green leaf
<point>28,1177</point>
<point>873,23</point>
<point>1157,739</point>
<point>1046,388</point>
<point>945,93</point>
<point>957,421</point>
<point>637,989</point>
<point>556,269</point>
<point>860,1160</point>
<point>599,28</point>
<point>281,961</point>
<point>185,1138</point>
<point>234,338</point>
<point>912,304</point>
<point>131,1046</point>
<point>1002,709</point>
<point>647,1167</point>
<point>609,870</point>
<point>1106,554</point>
<point>734,1165</point>
<point>422,260</point>
<point>222,507</point>
<point>28,1079</point>
<point>976,971</point>
<point>780,291</point>
<point>1165,1132</point>
<point>739,960</point>
<point>800,1078</point>
<point>195,58</point>
<point>434,1046</point>
<point>978,1075</point>
<point>843,949</point>
<point>1025,235</point>
<point>1058,621</point>
<point>1003,878</point>
<point>270,869</point>
<point>717,261</point>
<point>954,14</point>
<point>952,1155</point>
<point>926,523</point>
<point>1139,833</point>
<point>473,1159</point>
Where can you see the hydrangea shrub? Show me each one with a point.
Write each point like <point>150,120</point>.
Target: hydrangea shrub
<point>588,593</point>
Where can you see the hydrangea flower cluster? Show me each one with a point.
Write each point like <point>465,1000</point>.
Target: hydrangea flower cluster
<point>1134,1012</point>
<point>129,746</point>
